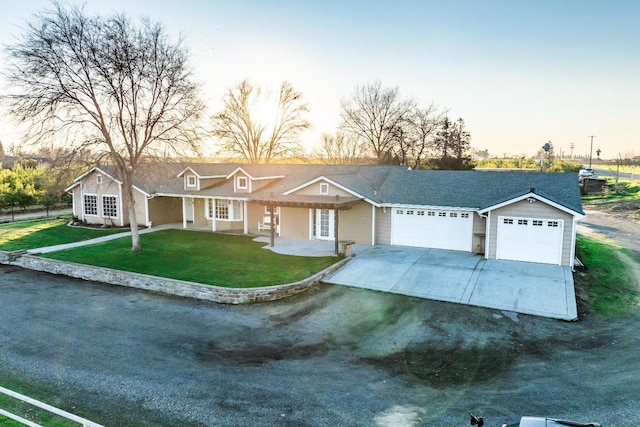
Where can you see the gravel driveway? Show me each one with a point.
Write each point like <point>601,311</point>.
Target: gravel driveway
<point>332,356</point>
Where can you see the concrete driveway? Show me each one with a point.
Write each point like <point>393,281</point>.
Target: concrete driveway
<point>462,277</point>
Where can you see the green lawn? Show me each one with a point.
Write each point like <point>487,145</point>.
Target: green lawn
<point>38,234</point>
<point>613,288</point>
<point>202,257</point>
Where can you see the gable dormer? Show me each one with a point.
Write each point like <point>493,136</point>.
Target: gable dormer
<point>241,183</point>
<point>244,182</point>
<point>191,182</point>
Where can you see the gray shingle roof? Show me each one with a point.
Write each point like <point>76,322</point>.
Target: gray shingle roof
<point>478,189</point>
<point>392,185</point>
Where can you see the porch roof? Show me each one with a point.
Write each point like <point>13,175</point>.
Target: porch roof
<point>306,201</point>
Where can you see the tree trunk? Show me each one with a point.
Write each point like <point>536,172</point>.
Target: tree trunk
<point>133,221</point>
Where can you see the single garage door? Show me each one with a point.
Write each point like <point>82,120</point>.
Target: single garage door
<point>432,229</point>
<point>530,239</point>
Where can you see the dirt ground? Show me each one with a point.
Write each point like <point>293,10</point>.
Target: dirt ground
<point>332,356</point>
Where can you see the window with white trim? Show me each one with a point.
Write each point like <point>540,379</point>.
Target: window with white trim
<point>420,213</point>
<point>110,206</point>
<point>431,213</point>
<point>552,224</point>
<point>409,212</point>
<point>243,183</point>
<point>276,210</point>
<point>507,221</point>
<point>453,214</point>
<point>209,211</point>
<point>442,214</point>
<point>99,179</point>
<point>464,215</point>
<point>536,223</point>
<point>225,209</point>
<point>191,180</point>
<point>91,204</point>
<point>324,188</point>
<point>523,222</point>
<point>399,211</point>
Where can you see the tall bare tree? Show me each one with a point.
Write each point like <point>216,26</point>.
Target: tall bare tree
<point>340,149</point>
<point>258,127</point>
<point>376,115</point>
<point>423,125</point>
<point>120,89</point>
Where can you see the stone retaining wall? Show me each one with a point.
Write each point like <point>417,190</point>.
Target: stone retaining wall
<point>10,257</point>
<point>175,287</point>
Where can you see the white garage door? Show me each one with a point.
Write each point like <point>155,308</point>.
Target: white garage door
<point>432,229</point>
<point>530,239</point>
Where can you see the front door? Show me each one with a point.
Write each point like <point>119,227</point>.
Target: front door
<point>189,209</point>
<point>325,223</point>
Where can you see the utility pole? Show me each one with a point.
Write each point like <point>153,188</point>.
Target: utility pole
<point>571,146</point>
<point>591,149</point>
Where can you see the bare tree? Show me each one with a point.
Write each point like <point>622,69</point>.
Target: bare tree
<point>258,127</point>
<point>340,149</point>
<point>423,125</point>
<point>377,116</point>
<point>121,90</point>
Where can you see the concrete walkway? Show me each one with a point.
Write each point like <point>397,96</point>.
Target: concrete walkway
<point>93,241</point>
<point>465,278</point>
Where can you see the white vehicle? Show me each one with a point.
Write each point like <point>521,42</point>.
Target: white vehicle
<point>551,422</point>
<point>586,173</point>
<point>537,422</point>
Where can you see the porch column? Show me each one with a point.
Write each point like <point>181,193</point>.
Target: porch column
<point>213,215</point>
<point>335,229</point>
<point>184,212</point>
<point>373,225</point>
<point>272,229</point>
<point>245,216</point>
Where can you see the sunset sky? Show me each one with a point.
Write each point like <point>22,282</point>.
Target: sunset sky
<point>520,73</point>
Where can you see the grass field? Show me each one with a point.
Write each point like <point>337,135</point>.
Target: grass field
<point>202,257</point>
<point>613,287</point>
<point>38,234</point>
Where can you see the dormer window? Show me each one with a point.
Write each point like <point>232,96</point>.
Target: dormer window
<point>242,183</point>
<point>324,188</point>
<point>191,181</point>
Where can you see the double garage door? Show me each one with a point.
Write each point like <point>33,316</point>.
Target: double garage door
<point>432,229</point>
<point>530,239</point>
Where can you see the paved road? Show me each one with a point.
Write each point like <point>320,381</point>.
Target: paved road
<point>621,231</point>
<point>333,356</point>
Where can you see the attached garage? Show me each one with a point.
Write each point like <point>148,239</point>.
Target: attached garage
<point>440,229</point>
<point>530,239</point>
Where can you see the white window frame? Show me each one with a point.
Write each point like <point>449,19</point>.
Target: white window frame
<point>239,182</point>
<point>115,205</point>
<point>99,179</point>
<point>324,188</point>
<point>84,204</point>
<point>191,181</point>
<point>276,210</point>
<point>209,208</point>
<point>233,209</point>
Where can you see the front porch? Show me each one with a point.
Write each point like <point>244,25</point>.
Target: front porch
<point>282,245</point>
